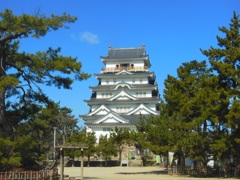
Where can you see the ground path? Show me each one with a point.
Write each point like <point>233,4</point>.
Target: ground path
<point>127,173</point>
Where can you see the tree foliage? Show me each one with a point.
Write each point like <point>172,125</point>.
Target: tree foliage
<point>27,114</point>
<point>36,136</point>
<point>225,62</point>
<point>90,142</point>
<point>120,137</point>
<point>82,137</point>
<point>200,116</point>
<point>22,74</point>
<point>9,158</point>
<point>106,148</point>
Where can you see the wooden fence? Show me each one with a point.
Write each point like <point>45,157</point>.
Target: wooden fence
<point>30,175</point>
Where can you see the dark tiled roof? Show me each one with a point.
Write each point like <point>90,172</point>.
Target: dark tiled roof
<point>152,100</point>
<point>134,87</point>
<point>88,118</point>
<point>133,120</point>
<point>125,53</point>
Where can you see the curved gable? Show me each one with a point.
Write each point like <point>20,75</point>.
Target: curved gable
<point>141,108</point>
<point>121,96</point>
<point>111,118</point>
<point>101,110</point>
<point>122,85</point>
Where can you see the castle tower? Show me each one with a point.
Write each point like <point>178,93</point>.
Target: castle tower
<point>125,90</point>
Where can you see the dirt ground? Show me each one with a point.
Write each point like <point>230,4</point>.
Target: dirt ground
<point>127,173</point>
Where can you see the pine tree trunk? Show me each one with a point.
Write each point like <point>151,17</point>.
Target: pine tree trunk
<point>120,156</point>
<point>2,114</point>
<point>167,164</point>
<point>73,161</point>
<point>88,161</point>
<point>106,160</point>
<point>3,121</point>
<point>183,164</point>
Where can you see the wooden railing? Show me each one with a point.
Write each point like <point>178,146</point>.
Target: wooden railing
<point>30,175</point>
<point>128,68</point>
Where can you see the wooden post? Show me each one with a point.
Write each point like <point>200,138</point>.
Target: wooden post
<point>54,143</point>
<point>81,164</point>
<point>61,164</point>
<point>61,148</point>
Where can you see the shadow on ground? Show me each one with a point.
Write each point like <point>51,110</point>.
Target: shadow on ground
<point>91,178</point>
<point>148,172</point>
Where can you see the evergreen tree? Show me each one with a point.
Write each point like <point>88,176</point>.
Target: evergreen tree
<point>187,98</point>
<point>23,74</point>
<point>35,136</point>
<point>82,138</point>
<point>9,158</point>
<point>225,63</point>
<point>106,149</point>
<point>202,107</point>
<point>155,134</point>
<point>24,118</point>
<point>90,142</point>
<point>120,137</point>
<point>77,138</point>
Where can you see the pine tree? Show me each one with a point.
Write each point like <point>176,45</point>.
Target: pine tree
<point>225,63</point>
<point>90,142</point>
<point>187,99</point>
<point>24,108</point>
<point>106,149</point>
<point>23,74</point>
<point>120,137</point>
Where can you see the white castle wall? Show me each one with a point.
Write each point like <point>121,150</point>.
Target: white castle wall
<point>115,81</point>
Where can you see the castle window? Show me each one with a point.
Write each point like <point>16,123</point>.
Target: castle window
<point>106,95</point>
<point>122,109</point>
<point>124,66</point>
<point>141,94</point>
<point>107,129</point>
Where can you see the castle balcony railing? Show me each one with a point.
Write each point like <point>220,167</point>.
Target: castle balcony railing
<point>128,68</point>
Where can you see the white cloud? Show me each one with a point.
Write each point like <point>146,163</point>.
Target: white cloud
<point>89,37</point>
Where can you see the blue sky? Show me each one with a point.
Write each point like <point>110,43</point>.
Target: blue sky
<point>173,32</point>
